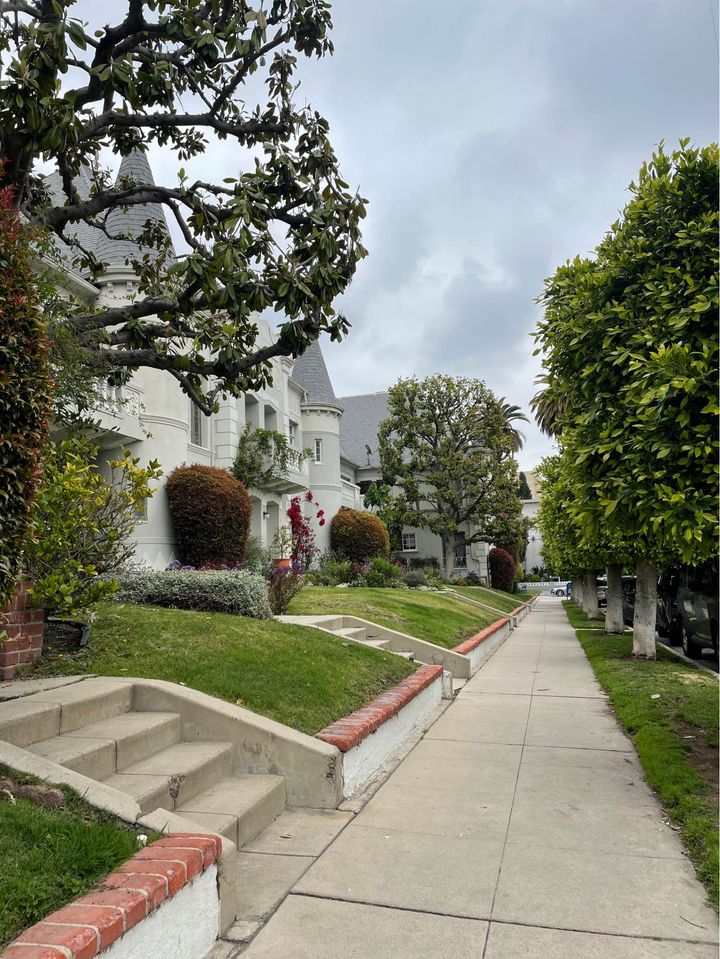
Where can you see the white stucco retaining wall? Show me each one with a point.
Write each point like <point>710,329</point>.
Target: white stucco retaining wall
<point>184,927</point>
<point>360,762</point>
<point>483,650</point>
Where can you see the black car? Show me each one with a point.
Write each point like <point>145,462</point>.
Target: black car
<point>628,599</point>
<point>669,620</point>
<point>697,606</point>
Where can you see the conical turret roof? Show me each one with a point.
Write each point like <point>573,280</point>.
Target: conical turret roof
<point>311,373</point>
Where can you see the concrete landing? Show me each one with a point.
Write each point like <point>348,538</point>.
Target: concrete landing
<point>520,825</point>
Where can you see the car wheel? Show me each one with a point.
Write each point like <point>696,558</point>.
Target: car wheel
<point>675,633</point>
<point>690,647</point>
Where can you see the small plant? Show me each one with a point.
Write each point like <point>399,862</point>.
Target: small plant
<point>231,591</point>
<point>414,578</point>
<point>210,511</point>
<point>383,573</point>
<point>502,569</point>
<point>282,543</point>
<point>283,585</point>
<point>358,536</point>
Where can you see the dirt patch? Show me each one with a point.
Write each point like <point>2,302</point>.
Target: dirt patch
<point>703,758</point>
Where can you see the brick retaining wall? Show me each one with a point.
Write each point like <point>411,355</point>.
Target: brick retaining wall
<point>24,624</point>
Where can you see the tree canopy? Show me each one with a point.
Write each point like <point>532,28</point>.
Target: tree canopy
<point>280,231</point>
<point>446,448</point>
<point>630,355</point>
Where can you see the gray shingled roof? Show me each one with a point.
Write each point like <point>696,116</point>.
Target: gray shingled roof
<point>119,222</point>
<point>359,426</point>
<point>130,222</point>
<point>311,373</point>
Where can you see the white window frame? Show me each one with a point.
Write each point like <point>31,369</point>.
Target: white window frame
<point>409,549</point>
<point>317,450</point>
<point>292,434</point>
<point>196,421</point>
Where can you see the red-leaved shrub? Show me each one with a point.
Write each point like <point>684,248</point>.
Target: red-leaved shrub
<point>358,536</point>
<point>210,512</point>
<point>502,569</point>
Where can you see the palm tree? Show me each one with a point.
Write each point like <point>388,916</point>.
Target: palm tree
<point>513,414</point>
<point>547,406</point>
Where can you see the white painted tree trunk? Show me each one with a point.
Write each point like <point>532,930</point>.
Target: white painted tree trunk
<point>590,599</point>
<point>645,609</point>
<point>614,622</point>
<point>576,589</point>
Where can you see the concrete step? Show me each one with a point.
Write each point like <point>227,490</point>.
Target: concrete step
<point>239,807</point>
<point>352,632</point>
<point>378,643</point>
<point>100,749</point>
<point>173,776</point>
<point>90,701</point>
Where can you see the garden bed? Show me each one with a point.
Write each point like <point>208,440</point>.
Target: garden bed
<point>49,856</point>
<point>675,735</point>
<point>431,616</point>
<point>293,674</point>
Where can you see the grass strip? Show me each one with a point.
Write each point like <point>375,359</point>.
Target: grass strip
<point>48,857</point>
<point>675,735</point>
<point>578,619</point>
<point>505,602</point>
<point>437,618</point>
<point>294,674</point>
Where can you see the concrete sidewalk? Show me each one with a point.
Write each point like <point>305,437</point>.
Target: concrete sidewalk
<point>519,826</point>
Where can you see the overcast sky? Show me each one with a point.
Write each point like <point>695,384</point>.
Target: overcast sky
<point>493,139</point>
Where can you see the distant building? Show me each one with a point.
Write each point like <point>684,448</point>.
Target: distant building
<point>530,506</point>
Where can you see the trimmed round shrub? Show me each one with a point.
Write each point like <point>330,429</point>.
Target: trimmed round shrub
<point>210,512</point>
<point>502,569</point>
<point>233,591</point>
<point>358,536</point>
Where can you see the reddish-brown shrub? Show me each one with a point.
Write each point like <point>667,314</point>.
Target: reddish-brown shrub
<point>358,536</point>
<point>210,511</point>
<point>502,569</point>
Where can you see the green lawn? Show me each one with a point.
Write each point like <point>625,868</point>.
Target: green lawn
<point>578,619</point>
<point>676,736</point>
<point>296,675</point>
<point>48,857</point>
<point>493,597</point>
<point>434,617</point>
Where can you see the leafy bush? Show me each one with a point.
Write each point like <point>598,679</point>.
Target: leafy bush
<point>333,571</point>
<point>283,585</point>
<point>414,578</point>
<point>502,569</point>
<point>210,511</point>
<point>233,591</point>
<point>24,389</point>
<point>258,559</point>
<point>81,523</point>
<point>358,536</point>
<point>383,573</point>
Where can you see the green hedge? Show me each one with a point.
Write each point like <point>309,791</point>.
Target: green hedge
<point>232,591</point>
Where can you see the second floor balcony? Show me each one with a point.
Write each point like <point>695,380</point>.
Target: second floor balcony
<point>118,413</point>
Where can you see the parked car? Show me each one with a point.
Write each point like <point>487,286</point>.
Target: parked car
<point>628,599</point>
<point>602,591</point>
<point>669,619</point>
<point>697,605</point>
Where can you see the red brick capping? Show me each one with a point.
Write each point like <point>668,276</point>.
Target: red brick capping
<point>480,637</point>
<point>348,732</point>
<point>22,624</point>
<point>130,893</point>
<point>519,609</point>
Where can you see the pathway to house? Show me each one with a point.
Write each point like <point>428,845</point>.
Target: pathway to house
<point>519,826</point>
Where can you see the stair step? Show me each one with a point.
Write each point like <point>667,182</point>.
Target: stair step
<point>239,807</point>
<point>352,632</point>
<point>100,749</point>
<point>136,735</point>
<point>173,776</point>
<point>378,643</point>
<point>87,702</point>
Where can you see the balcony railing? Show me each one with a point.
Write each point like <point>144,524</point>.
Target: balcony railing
<point>351,495</point>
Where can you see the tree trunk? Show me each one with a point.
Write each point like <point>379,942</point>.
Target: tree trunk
<point>448,549</point>
<point>645,610</point>
<point>614,622</point>
<point>576,590</point>
<point>590,598</point>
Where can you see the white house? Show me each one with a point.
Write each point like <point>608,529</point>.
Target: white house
<point>530,506</point>
<point>154,419</point>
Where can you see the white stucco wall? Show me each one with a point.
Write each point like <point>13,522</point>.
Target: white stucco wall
<point>184,927</point>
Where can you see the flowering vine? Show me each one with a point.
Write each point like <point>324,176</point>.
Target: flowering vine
<point>304,549</point>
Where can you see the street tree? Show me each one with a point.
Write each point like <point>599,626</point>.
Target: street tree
<point>446,449</point>
<point>281,228</point>
<point>630,343</point>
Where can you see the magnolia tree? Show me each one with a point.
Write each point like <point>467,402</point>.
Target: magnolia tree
<point>630,343</point>
<point>280,230</point>
<point>447,450</point>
